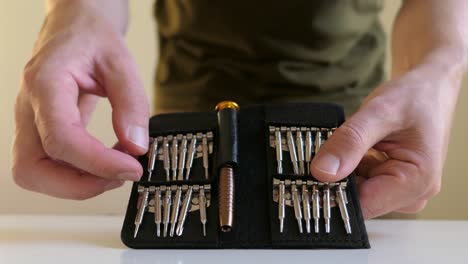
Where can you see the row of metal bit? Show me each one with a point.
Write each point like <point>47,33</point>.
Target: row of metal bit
<point>170,205</point>
<point>311,195</point>
<point>301,142</point>
<point>172,202</point>
<point>178,152</point>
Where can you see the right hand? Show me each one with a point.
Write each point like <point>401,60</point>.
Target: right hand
<point>78,56</point>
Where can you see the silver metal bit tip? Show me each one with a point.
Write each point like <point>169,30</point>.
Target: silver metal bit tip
<point>165,230</point>
<point>179,231</point>
<point>158,230</point>
<point>149,175</point>
<point>308,226</point>
<point>204,230</point>
<point>299,224</point>
<point>348,227</point>
<point>317,227</point>
<point>281,225</point>
<point>327,226</point>
<point>137,227</point>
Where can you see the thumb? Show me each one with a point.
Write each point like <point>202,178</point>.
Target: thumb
<point>130,107</point>
<point>343,151</point>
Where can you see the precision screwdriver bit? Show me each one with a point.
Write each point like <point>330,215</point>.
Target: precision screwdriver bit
<point>182,155</point>
<point>279,150</point>
<point>292,151</point>
<point>152,154</point>
<point>308,149</point>
<point>300,151</point>
<point>157,211</point>
<point>306,206</point>
<point>326,207</point>
<point>175,210</point>
<point>184,210</point>
<point>174,156</point>
<point>205,155</point>
<point>342,201</point>
<point>202,204</point>
<point>281,206</point>
<point>166,161</point>
<point>141,211</point>
<point>190,155</point>
<point>316,206</point>
<point>318,139</point>
<point>167,209</point>
<point>297,206</point>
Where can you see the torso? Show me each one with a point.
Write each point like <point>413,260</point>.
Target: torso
<point>264,51</point>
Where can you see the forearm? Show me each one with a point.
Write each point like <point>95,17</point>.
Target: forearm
<point>114,11</point>
<point>430,30</point>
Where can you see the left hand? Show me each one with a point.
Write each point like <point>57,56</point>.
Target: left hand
<point>400,134</point>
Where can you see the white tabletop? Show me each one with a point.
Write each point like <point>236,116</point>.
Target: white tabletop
<point>96,239</point>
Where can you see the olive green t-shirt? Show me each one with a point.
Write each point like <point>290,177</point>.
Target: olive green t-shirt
<point>260,51</point>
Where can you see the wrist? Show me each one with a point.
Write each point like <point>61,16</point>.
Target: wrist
<point>446,61</point>
<point>449,58</point>
<point>69,12</point>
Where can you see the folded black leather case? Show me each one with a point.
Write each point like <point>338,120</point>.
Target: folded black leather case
<point>256,223</point>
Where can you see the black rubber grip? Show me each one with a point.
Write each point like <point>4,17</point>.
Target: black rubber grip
<point>227,138</point>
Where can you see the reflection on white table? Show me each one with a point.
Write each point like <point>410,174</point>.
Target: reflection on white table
<point>96,239</point>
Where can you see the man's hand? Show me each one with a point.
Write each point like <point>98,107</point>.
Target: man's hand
<point>400,134</point>
<point>405,124</point>
<point>80,55</point>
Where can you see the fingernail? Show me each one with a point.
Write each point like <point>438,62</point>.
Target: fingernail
<point>113,184</point>
<point>138,135</point>
<point>327,163</point>
<point>128,176</point>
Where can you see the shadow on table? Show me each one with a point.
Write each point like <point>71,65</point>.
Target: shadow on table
<point>99,239</point>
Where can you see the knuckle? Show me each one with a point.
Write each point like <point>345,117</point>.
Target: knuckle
<point>115,60</point>
<point>383,108</point>
<point>355,134</point>
<point>53,145</point>
<point>97,168</point>
<point>30,73</point>
<point>21,178</point>
<point>431,181</point>
<point>140,106</point>
<point>137,107</point>
<point>433,189</point>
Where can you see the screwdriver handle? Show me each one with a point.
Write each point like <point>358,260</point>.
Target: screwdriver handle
<point>227,158</point>
<point>227,128</point>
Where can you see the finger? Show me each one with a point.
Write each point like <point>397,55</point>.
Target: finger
<point>59,180</point>
<point>130,107</point>
<point>414,208</point>
<point>32,170</point>
<point>341,154</point>
<point>371,159</point>
<point>360,179</point>
<point>54,97</point>
<point>391,186</point>
<point>86,104</point>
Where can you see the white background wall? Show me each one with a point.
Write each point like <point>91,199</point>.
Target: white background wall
<point>20,21</point>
